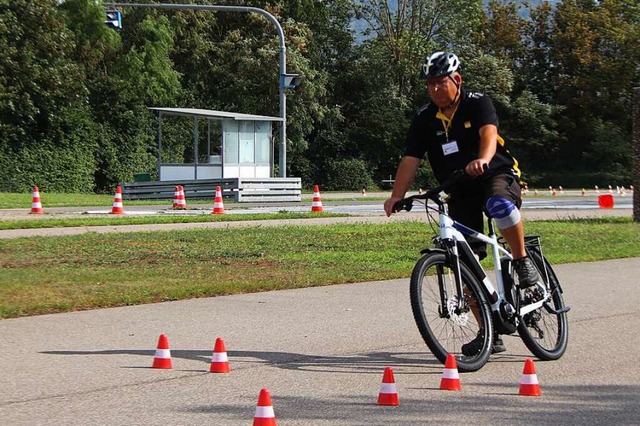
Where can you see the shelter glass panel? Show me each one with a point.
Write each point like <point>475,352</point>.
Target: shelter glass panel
<point>230,142</point>
<point>247,142</point>
<point>263,142</point>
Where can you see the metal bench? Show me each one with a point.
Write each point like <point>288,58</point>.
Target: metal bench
<point>237,189</point>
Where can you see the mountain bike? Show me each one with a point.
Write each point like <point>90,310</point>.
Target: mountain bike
<point>454,300</point>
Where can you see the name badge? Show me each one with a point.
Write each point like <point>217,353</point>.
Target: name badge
<point>450,148</point>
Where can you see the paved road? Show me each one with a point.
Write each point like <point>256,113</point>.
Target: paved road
<point>361,211</point>
<point>321,352</point>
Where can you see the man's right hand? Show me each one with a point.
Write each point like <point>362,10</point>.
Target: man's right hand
<point>404,177</point>
<point>388,205</point>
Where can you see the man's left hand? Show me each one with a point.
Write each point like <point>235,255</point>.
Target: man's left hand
<point>476,167</point>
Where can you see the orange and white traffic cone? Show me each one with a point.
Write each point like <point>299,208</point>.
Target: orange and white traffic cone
<point>316,204</point>
<point>388,392</point>
<point>529,385</point>
<point>218,205</point>
<point>264,415</point>
<point>179,202</point>
<point>450,378</point>
<point>176,197</point>
<point>219,359</point>
<point>162,358</point>
<point>183,199</point>
<point>117,202</point>
<point>36,205</point>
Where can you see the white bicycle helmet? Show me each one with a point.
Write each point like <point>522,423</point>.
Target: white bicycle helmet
<point>440,64</point>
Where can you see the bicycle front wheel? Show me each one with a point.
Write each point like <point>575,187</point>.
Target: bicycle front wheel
<point>447,320</point>
<point>545,331</point>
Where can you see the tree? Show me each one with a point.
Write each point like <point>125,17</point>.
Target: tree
<point>397,36</point>
<point>501,33</point>
<point>46,135</point>
<point>535,71</point>
<point>513,73</point>
<point>143,76</point>
<point>594,50</point>
<point>405,31</point>
<point>95,44</point>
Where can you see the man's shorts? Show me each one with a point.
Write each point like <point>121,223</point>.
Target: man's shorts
<point>467,203</point>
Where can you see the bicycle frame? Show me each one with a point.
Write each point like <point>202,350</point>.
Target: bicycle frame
<point>452,234</point>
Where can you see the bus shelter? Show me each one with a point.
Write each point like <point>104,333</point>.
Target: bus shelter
<point>244,148</point>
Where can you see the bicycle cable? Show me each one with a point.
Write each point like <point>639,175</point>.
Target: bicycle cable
<point>430,219</point>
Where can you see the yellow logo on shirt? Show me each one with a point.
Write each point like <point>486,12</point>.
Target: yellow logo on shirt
<point>467,124</point>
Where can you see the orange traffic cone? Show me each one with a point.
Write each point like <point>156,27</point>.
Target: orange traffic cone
<point>162,358</point>
<point>219,360</point>
<point>218,205</point>
<point>450,378</point>
<point>264,410</point>
<point>388,393</point>
<point>183,199</point>
<point>316,204</point>
<point>117,202</point>
<point>529,385</point>
<point>36,206</point>
<point>176,197</point>
<point>179,202</point>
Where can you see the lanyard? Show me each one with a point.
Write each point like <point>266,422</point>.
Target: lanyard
<point>446,122</point>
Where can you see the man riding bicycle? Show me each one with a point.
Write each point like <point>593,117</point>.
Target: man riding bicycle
<point>458,130</point>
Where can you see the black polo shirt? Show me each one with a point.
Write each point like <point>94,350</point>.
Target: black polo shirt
<point>452,146</point>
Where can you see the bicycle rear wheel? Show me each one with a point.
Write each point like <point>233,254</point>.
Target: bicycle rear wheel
<point>545,331</point>
<point>446,328</point>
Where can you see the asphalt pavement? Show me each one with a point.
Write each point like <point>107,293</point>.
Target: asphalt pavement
<point>321,352</point>
<point>359,208</point>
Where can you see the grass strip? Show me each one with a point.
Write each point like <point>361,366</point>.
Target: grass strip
<point>57,274</point>
<point>11,200</point>
<point>112,220</point>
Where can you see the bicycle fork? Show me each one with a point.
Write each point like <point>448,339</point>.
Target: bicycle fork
<point>453,259</point>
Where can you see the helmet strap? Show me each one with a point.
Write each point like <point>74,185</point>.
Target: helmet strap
<point>457,96</point>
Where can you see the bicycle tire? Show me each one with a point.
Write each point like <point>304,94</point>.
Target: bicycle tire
<point>545,333</point>
<point>446,334</point>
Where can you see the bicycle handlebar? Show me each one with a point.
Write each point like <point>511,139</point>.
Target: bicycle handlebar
<point>433,194</point>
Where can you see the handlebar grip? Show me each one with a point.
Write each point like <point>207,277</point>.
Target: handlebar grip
<point>402,205</point>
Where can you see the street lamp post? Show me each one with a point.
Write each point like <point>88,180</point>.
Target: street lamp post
<point>636,154</point>
<point>283,59</point>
